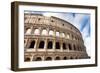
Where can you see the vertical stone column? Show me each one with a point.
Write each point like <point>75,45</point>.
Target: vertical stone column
<point>60,34</point>
<point>61,45</point>
<point>31,29</point>
<point>67,46</point>
<point>40,29</point>
<point>54,41</point>
<point>32,58</point>
<point>28,43</point>
<point>54,33</point>
<point>43,58</point>
<point>72,47</point>
<point>46,43</point>
<point>25,43</point>
<point>53,58</point>
<point>36,44</point>
<point>47,31</point>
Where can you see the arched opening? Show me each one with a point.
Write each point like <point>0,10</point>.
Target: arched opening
<point>32,44</point>
<point>63,34</point>
<point>64,46</point>
<point>69,45</point>
<point>64,58</point>
<point>73,37</point>
<point>41,44</point>
<point>38,59</point>
<point>57,58</point>
<point>51,33</point>
<point>48,58</point>
<point>57,45</point>
<point>74,47</point>
<point>28,31</point>
<point>57,34</point>
<point>76,57</point>
<point>50,45</point>
<point>71,58</point>
<point>36,32</point>
<point>44,32</point>
<point>68,36</point>
<point>27,59</point>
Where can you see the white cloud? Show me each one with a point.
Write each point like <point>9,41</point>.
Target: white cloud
<point>87,43</point>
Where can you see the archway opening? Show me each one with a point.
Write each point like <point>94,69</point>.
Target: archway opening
<point>51,33</point>
<point>38,59</point>
<point>28,31</point>
<point>74,47</point>
<point>71,58</point>
<point>50,45</point>
<point>64,58</point>
<point>32,44</point>
<point>48,58</point>
<point>41,44</point>
<point>44,32</point>
<point>64,46</point>
<point>69,45</point>
<point>63,34</point>
<point>57,45</point>
<point>57,58</point>
<point>36,32</point>
<point>27,59</point>
<point>57,34</point>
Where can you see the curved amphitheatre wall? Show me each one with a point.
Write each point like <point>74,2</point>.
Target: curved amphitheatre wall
<point>51,38</point>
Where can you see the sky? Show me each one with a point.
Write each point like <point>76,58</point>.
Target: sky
<point>79,20</point>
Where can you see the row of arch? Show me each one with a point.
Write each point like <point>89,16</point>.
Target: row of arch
<point>43,32</point>
<point>51,58</point>
<point>58,45</point>
<point>41,18</point>
<point>47,32</point>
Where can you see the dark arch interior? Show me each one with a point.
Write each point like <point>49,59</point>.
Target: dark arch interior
<point>32,44</point>
<point>57,45</point>
<point>76,57</point>
<point>57,58</point>
<point>65,58</point>
<point>41,45</point>
<point>27,29</point>
<point>38,59</point>
<point>71,57</point>
<point>50,45</point>
<point>27,59</point>
<point>74,47</point>
<point>69,45</point>
<point>48,58</point>
<point>64,46</point>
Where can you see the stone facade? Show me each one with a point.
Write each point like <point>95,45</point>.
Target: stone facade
<point>51,38</point>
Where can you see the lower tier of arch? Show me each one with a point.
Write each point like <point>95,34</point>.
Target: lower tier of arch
<point>50,56</point>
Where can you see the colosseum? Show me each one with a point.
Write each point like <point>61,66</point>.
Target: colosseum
<point>51,38</point>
